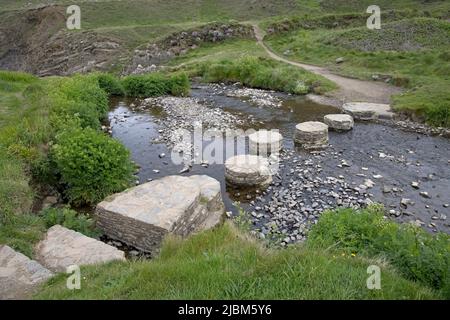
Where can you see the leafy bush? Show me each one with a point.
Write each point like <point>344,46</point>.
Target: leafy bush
<point>110,84</point>
<point>70,219</point>
<point>156,84</point>
<point>77,100</point>
<point>419,255</point>
<point>91,165</point>
<point>265,73</point>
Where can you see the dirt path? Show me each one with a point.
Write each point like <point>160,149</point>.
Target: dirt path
<point>349,89</point>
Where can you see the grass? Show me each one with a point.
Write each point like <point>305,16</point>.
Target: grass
<point>225,264</point>
<point>414,53</point>
<point>244,61</point>
<point>417,254</point>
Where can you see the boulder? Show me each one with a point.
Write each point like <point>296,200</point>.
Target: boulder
<point>19,275</point>
<point>368,111</point>
<point>311,135</point>
<point>264,142</point>
<point>339,122</point>
<point>142,216</point>
<point>248,170</point>
<point>63,247</point>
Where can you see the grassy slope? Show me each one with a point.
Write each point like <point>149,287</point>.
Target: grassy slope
<point>414,52</point>
<point>224,264</point>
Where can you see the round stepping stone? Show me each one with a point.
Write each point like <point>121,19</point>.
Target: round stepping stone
<point>264,142</point>
<point>311,135</point>
<point>368,111</point>
<point>248,170</point>
<point>339,122</point>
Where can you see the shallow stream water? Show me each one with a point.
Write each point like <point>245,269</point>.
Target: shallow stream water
<point>369,150</point>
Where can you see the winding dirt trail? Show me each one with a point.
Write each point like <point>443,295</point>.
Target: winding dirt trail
<point>350,90</point>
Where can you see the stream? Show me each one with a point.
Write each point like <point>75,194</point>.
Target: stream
<point>371,163</point>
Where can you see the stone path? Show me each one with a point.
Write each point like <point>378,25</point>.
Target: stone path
<point>142,216</point>
<point>19,275</point>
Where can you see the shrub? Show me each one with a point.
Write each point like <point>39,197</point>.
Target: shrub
<point>419,255</point>
<point>265,73</point>
<point>90,165</point>
<point>110,84</point>
<point>78,100</point>
<point>155,84</point>
<point>70,219</point>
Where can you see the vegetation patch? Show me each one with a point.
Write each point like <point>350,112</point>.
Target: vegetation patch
<point>264,73</point>
<point>417,254</point>
<point>405,35</point>
<point>225,264</point>
<point>91,165</point>
<point>156,84</point>
<point>70,219</point>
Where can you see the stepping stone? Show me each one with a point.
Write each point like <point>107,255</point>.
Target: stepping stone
<point>19,275</point>
<point>311,135</point>
<point>339,122</point>
<point>248,170</point>
<point>142,216</point>
<point>368,111</point>
<point>63,247</point>
<point>264,142</point>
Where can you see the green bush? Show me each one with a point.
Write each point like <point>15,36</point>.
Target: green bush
<point>70,219</point>
<point>110,84</point>
<point>265,73</point>
<point>419,255</point>
<point>77,100</point>
<point>90,165</point>
<point>155,84</point>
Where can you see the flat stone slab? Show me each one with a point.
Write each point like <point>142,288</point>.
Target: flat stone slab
<point>311,135</point>
<point>368,111</point>
<point>142,216</point>
<point>265,142</point>
<point>19,275</point>
<point>248,170</point>
<point>339,122</point>
<point>63,247</point>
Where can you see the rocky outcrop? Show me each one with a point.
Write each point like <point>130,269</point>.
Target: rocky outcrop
<point>36,41</point>
<point>142,216</point>
<point>19,275</point>
<point>148,58</point>
<point>62,248</point>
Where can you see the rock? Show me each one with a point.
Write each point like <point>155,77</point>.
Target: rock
<point>142,216</point>
<point>369,183</point>
<point>19,275</point>
<point>339,122</point>
<point>377,176</point>
<point>264,142</point>
<point>405,202</point>
<point>415,184</point>
<point>311,135</point>
<point>248,170</point>
<point>340,60</point>
<point>368,111</point>
<point>49,201</point>
<point>425,194</point>
<point>62,248</point>
<point>387,189</point>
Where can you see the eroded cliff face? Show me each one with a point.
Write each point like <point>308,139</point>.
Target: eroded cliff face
<point>38,42</point>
